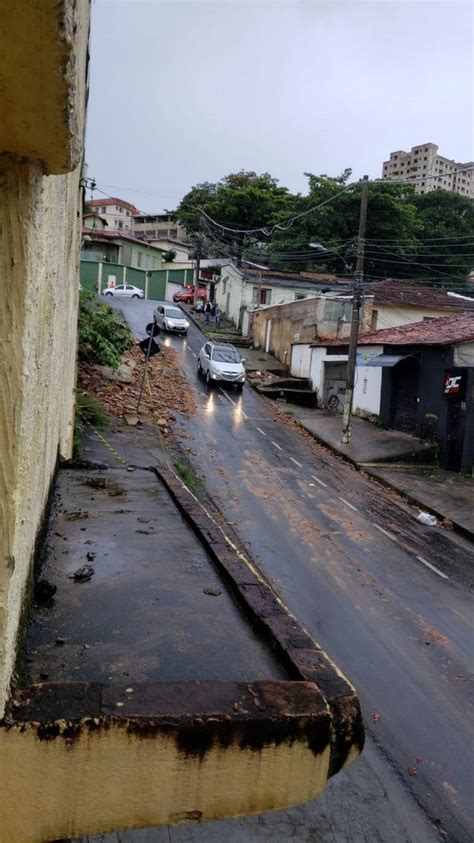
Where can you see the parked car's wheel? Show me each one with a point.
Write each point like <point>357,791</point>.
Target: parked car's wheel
<point>135,296</point>
<point>108,293</point>
<point>239,387</point>
<point>199,369</point>
<point>208,378</point>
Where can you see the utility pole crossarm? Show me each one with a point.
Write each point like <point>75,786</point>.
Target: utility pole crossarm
<point>355,319</point>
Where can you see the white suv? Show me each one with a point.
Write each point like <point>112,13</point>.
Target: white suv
<point>221,362</point>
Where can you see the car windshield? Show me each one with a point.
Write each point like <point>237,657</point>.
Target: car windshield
<point>174,313</point>
<point>226,355</point>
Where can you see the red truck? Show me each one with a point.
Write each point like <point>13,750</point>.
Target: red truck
<point>186,295</point>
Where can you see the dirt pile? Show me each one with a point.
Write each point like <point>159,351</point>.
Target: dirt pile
<point>165,389</point>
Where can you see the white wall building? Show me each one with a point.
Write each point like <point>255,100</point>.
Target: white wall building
<point>327,372</point>
<point>117,213</point>
<point>240,291</point>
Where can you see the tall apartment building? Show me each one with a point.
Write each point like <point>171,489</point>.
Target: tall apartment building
<point>429,170</point>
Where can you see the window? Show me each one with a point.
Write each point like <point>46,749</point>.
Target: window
<point>120,224</point>
<point>335,310</point>
<point>103,210</point>
<point>224,286</point>
<point>373,320</point>
<point>139,258</point>
<point>261,296</point>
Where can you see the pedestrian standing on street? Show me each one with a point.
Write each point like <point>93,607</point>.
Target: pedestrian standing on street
<point>213,309</point>
<point>218,317</point>
<point>207,313</point>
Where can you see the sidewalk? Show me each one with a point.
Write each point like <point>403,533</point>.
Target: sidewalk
<point>374,450</point>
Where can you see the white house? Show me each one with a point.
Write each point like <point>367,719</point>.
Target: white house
<point>325,367</point>
<point>118,213</point>
<point>240,291</point>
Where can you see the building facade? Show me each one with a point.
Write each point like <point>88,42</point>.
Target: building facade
<point>385,304</point>
<point>118,213</point>
<point>241,291</point>
<point>416,378</point>
<point>163,226</point>
<point>430,171</point>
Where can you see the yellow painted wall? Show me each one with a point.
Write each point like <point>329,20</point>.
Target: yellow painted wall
<point>113,778</point>
<point>392,315</point>
<point>43,73</point>
<point>39,247</point>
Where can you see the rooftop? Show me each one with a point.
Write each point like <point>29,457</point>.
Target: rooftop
<point>113,200</point>
<point>399,291</point>
<point>449,330</point>
<point>97,234</point>
<point>303,280</point>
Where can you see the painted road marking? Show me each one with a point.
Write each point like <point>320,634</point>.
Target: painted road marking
<point>261,431</point>
<point>277,445</point>
<point>432,568</point>
<point>296,462</point>
<point>385,532</point>
<point>319,481</point>
<point>350,505</point>
<point>232,402</point>
<point>193,353</point>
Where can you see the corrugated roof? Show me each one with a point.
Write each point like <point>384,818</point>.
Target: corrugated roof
<point>447,330</point>
<point>396,291</point>
<point>270,275</point>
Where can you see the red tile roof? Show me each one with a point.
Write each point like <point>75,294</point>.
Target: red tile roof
<point>447,330</point>
<point>113,201</point>
<point>408,293</point>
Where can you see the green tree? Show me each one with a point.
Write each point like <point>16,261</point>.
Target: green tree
<point>391,215</point>
<point>446,235</point>
<point>241,200</point>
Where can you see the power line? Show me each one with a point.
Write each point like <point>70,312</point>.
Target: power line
<point>283,226</point>
<point>415,263</point>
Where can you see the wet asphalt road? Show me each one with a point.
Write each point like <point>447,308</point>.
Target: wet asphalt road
<point>390,600</point>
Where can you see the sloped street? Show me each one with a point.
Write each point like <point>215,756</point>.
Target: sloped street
<point>350,560</point>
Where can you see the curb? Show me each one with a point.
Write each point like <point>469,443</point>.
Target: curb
<point>458,528</point>
<point>193,319</point>
<point>302,656</point>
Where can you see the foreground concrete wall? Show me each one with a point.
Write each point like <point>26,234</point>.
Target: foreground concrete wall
<point>39,246</point>
<point>230,750</point>
<point>43,57</point>
<point>43,73</point>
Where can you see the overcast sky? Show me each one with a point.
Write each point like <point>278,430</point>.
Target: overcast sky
<point>189,91</point>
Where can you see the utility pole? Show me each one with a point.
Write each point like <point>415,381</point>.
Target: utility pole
<point>199,242</point>
<point>355,317</point>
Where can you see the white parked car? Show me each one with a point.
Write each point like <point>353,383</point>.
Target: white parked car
<point>125,290</point>
<point>171,318</point>
<point>221,362</point>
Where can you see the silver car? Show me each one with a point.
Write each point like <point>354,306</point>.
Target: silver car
<point>221,362</point>
<point>171,318</point>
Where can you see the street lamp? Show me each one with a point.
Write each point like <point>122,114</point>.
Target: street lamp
<point>321,248</point>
